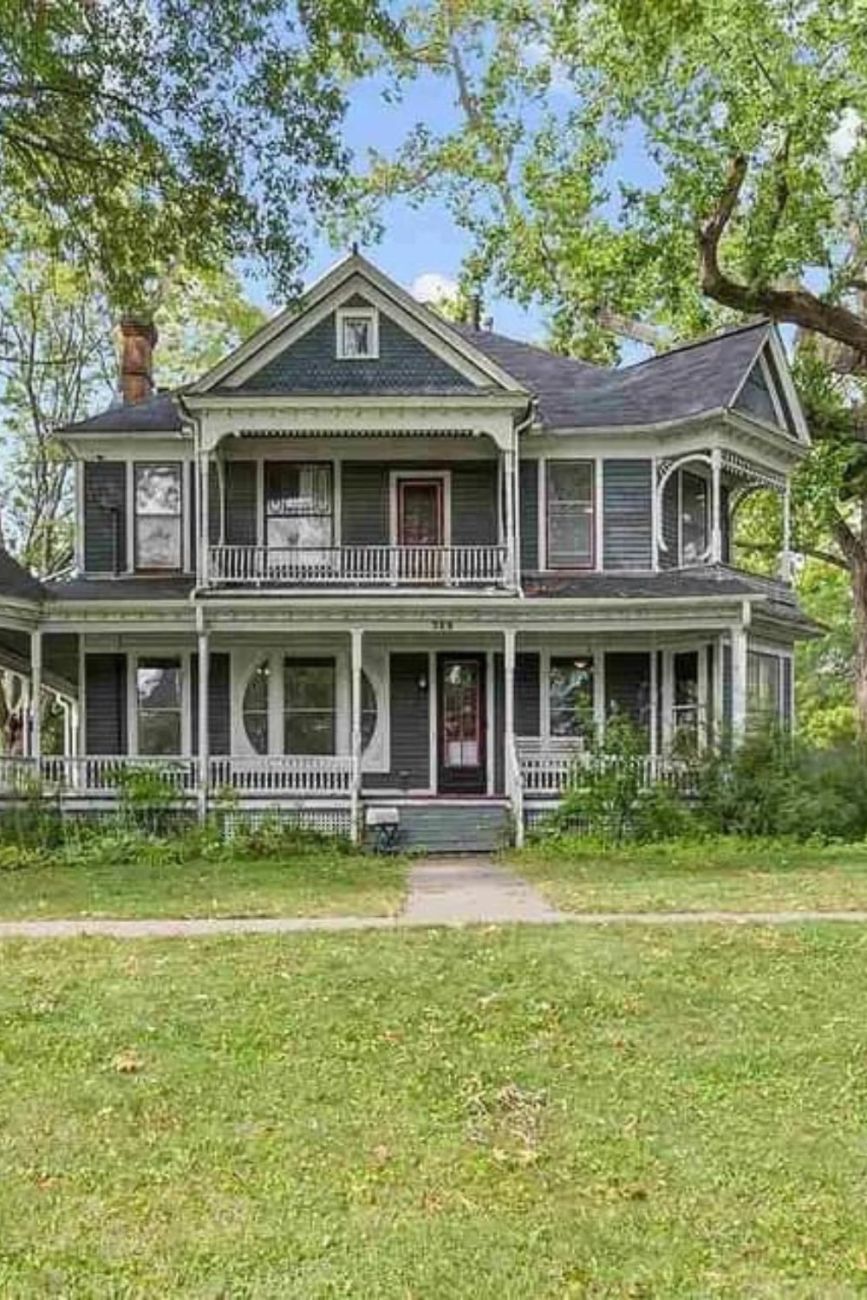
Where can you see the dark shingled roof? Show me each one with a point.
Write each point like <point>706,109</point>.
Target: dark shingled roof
<point>16,581</point>
<point>157,414</point>
<point>687,381</point>
<point>698,377</point>
<point>125,588</point>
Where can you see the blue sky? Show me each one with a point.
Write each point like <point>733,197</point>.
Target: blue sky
<point>424,240</point>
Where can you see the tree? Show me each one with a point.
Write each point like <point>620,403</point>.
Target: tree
<point>176,133</point>
<point>749,118</point>
<point>58,363</point>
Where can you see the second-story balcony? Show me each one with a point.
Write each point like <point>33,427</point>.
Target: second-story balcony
<point>359,566</point>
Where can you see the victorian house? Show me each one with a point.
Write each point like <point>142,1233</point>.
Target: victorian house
<point>376,559</point>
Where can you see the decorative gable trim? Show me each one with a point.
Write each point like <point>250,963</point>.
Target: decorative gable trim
<point>770,357</point>
<point>356,276</point>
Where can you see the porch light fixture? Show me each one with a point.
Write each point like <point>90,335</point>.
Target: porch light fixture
<point>422,683</point>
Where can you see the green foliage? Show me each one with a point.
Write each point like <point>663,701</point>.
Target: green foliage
<point>609,797</point>
<point>176,133</point>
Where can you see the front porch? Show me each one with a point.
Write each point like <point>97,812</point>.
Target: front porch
<point>483,729</point>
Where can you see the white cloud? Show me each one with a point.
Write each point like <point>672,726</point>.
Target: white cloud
<point>845,136</point>
<point>432,286</point>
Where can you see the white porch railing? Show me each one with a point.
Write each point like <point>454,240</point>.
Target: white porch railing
<point>551,768</point>
<point>105,774</point>
<point>307,775</point>
<point>376,566</point>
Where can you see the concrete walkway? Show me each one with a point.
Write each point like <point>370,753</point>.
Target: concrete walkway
<point>454,892</point>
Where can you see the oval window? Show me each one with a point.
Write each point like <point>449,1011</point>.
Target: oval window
<point>369,712</point>
<point>255,708</point>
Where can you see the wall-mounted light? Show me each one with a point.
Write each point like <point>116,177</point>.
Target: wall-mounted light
<point>422,682</point>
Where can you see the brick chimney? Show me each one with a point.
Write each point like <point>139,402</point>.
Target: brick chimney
<point>138,339</point>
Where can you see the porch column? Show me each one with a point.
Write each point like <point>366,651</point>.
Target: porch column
<point>356,636</point>
<point>654,704</point>
<point>786,553</point>
<point>74,729</point>
<point>514,790</point>
<point>26,733</point>
<point>739,681</point>
<point>716,506</point>
<point>204,516</point>
<point>204,721</point>
<point>511,558</point>
<point>36,693</point>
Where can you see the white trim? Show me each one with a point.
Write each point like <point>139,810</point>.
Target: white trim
<point>595,462</point>
<point>433,722</point>
<point>490,721</point>
<point>542,516</point>
<point>369,314</point>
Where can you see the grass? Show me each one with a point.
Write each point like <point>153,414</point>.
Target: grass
<point>291,884</point>
<point>494,1114</point>
<point>737,875</point>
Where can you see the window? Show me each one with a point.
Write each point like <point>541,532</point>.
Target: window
<point>299,506</point>
<point>369,711</point>
<point>158,517</point>
<point>357,334</point>
<point>570,491</point>
<point>309,706</point>
<point>764,687</point>
<point>570,698</point>
<point>159,702</point>
<point>685,721</point>
<point>694,519</point>
<point>255,708</point>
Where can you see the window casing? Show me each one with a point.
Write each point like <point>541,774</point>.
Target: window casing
<point>159,705</point>
<point>694,518</point>
<point>570,698</point>
<point>571,514</point>
<point>309,706</point>
<point>158,496</point>
<point>299,505</point>
<point>357,334</point>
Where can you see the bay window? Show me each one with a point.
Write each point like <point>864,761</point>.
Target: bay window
<point>764,688</point>
<point>694,518</point>
<point>570,514</point>
<point>158,497</point>
<point>159,705</point>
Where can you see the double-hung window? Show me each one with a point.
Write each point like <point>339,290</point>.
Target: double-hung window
<point>158,495</point>
<point>570,698</point>
<point>764,688</point>
<point>694,518</point>
<point>571,514</point>
<point>159,704</point>
<point>309,706</point>
<point>299,505</point>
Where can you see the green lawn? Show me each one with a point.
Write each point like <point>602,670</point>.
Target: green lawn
<point>299,884</point>
<point>734,875</point>
<point>491,1114</point>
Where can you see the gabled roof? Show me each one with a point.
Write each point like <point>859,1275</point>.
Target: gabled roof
<point>686,382</point>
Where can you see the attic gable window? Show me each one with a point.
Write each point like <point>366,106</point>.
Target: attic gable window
<point>357,334</point>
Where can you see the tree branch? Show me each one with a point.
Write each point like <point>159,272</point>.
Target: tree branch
<point>795,306</point>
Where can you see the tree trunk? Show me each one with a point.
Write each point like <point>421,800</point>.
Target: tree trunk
<point>859,603</point>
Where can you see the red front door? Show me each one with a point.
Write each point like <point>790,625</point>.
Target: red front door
<point>462,730</point>
<point>420,512</point>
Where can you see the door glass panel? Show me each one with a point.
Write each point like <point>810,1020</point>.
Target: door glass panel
<point>461,720</point>
<point>420,522</point>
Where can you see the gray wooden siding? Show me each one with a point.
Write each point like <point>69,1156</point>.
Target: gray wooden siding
<point>213,505</point>
<point>626,514</point>
<point>105,516</point>
<point>527,699</point>
<point>366,507</point>
<point>105,704</point>
<point>669,559</point>
<point>727,688</point>
<point>528,507</point>
<point>474,503</point>
<point>311,365</point>
<point>219,707</point>
<point>241,503</point>
<point>364,489</point>
<point>627,686</point>
<point>192,522</point>
<point>410,728</point>
<point>498,729</point>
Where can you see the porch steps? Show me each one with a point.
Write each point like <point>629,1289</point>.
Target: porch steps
<point>459,826</point>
